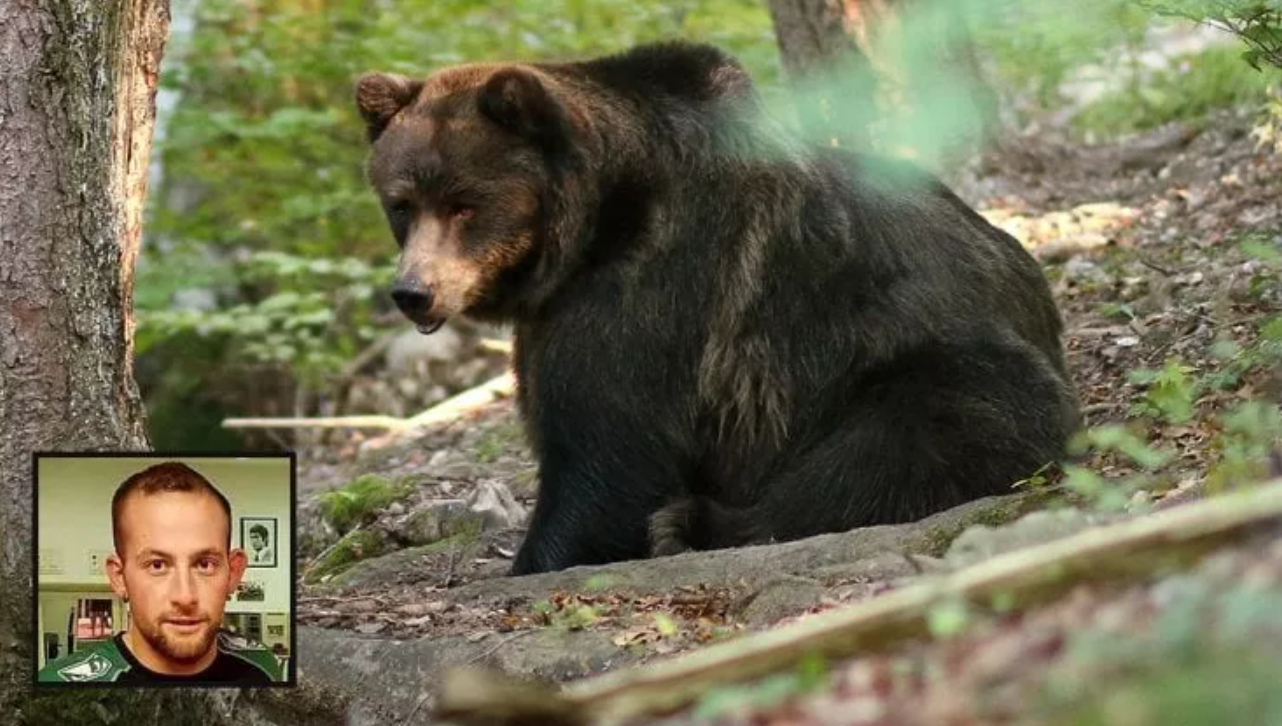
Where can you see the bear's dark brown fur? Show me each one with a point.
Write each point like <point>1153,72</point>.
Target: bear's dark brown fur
<point>722,333</point>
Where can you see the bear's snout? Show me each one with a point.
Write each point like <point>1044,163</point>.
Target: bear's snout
<point>415,300</point>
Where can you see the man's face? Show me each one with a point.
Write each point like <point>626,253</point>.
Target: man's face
<point>176,572</point>
<point>256,541</point>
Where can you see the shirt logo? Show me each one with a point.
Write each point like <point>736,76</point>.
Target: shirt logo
<point>90,669</point>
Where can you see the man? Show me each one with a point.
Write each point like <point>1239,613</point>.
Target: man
<point>260,553</point>
<point>175,567</point>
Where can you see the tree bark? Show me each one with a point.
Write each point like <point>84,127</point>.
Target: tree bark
<point>76,116</point>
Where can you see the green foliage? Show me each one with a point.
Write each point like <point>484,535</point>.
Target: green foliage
<point>577,616</point>
<point>493,442</point>
<point>1198,84</point>
<point>1100,494</point>
<point>666,626</point>
<point>1265,352</point>
<point>356,500</point>
<point>1117,311</point>
<point>297,326</point>
<point>1113,495</point>
<point>600,581</point>
<point>569,614</point>
<point>1122,440</point>
<point>1261,248</point>
<point>1250,432</point>
<point>189,416</point>
<point>949,618</point>
<point>1170,392</point>
<point>1268,132</point>
<point>267,130</point>
<point>1039,479</point>
<point>810,674</point>
<point>263,200</point>
<point>1247,436</point>
<point>351,548</point>
<point>1239,362</point>
<point>1258,23</point>
<point>1199,662</point>
<point>1036,45</point>
<point>1226,686</point>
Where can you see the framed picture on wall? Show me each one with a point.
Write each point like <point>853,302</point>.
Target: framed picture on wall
<point>250,592</point>
<point>258,538</point>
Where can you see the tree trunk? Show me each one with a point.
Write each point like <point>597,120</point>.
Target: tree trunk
<point>910,79</point>
<point>825,68</point>
<point>76,115</point>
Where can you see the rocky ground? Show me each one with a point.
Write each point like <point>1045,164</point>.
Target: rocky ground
<point>1163,252</point>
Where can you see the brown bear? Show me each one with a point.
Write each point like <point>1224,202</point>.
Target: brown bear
<point>724,335</point>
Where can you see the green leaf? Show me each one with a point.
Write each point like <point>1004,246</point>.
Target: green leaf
<point>1120,439</point>
<point>1260,249</point>
<point>599,581</point>
<point>666,626</point>
<point>948,619</point>
<point>1272,330</point>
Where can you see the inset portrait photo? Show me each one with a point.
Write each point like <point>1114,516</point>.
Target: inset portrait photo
<point>156,569</point>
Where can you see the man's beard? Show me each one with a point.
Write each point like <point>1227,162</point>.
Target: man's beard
<point>181,650</point>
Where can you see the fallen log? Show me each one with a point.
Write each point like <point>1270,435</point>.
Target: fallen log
<point>451,408</point>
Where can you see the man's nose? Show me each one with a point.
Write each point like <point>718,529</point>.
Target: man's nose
<point>184,588</point>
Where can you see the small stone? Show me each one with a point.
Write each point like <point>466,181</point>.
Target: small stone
<point>493,501</point>
<point>359,606</point>
<point>1078,268</point>
<point>413,608</point>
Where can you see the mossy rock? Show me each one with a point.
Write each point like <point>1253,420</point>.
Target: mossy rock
<point>506,436</point>
<point>389,565</point>
<point>942,528</point>
<point>353,547</point>
<point>358,500</point>
<point>438,522</point>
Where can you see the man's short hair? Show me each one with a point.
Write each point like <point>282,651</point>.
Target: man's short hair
<point>259,530</point>
<point>171,476</point>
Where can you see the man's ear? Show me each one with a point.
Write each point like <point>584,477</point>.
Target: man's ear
<point>115,568</point>
<point>237,561</point>
<point>380,96</point>
<point>517,100</point>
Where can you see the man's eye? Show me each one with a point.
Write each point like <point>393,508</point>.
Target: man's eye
<point>208,565</point>
<point>154,565</point>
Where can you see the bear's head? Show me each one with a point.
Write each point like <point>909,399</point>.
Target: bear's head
<point>500,179</point>
<point>463,165</point>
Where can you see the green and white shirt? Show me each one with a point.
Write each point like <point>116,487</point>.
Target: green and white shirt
<point>238,661</point>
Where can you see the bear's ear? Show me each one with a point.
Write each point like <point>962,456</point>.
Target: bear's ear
<point>518,101</point>
<point>380,96</point>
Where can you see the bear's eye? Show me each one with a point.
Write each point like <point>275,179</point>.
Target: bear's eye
<point>400,210</point>
<point>461,212</point>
